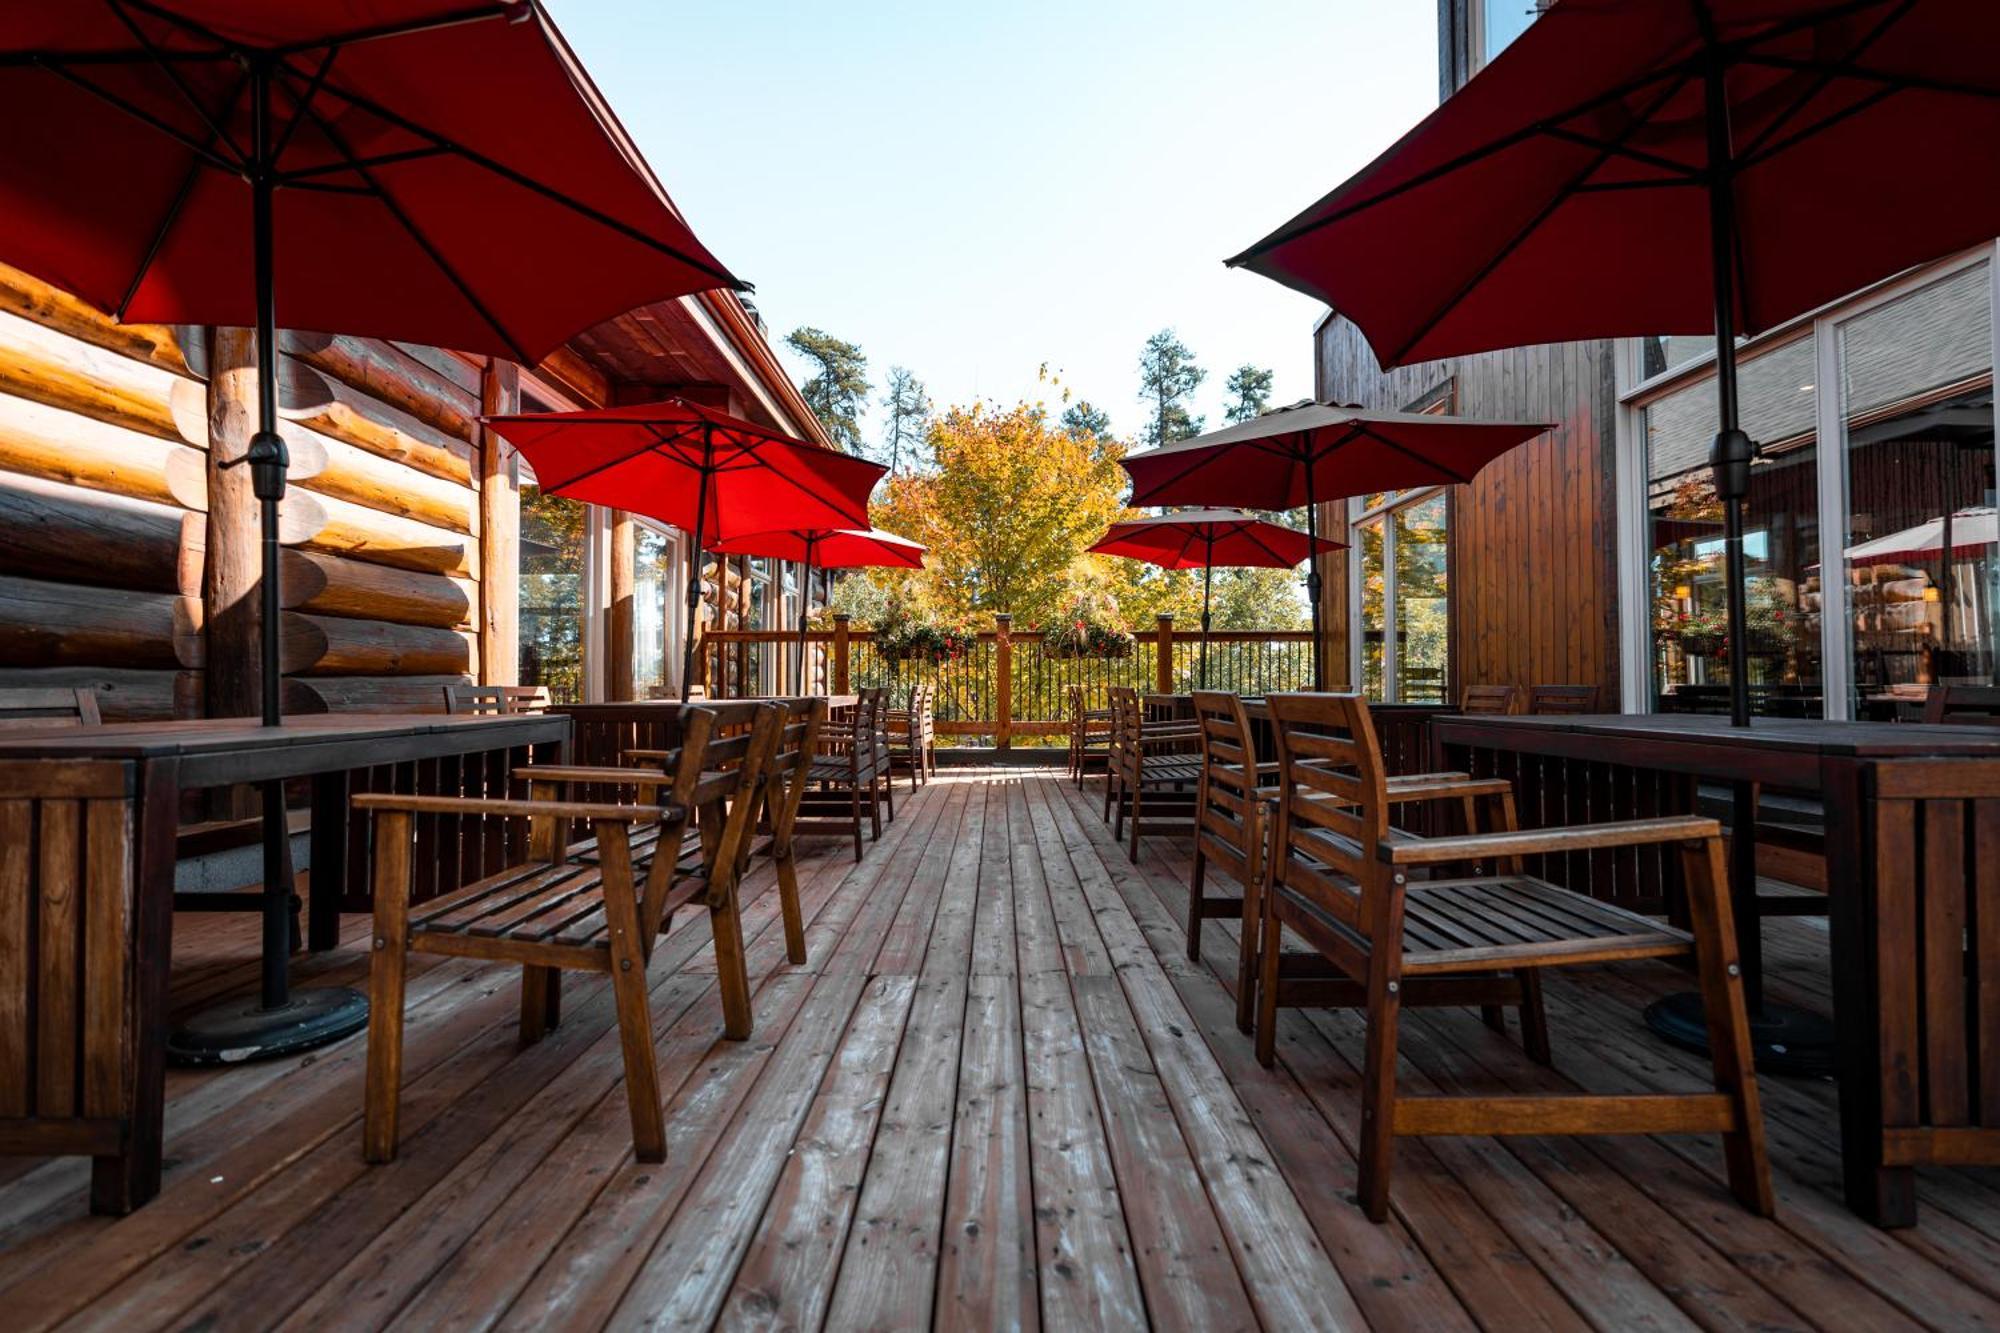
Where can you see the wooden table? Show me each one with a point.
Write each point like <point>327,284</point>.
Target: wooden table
<point>88,819</point>
<point>1913,857</point>
<point>604,732</point>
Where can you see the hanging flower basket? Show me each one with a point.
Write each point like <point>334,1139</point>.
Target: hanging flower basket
<point>1704,645</point>
<point>1082,640</point>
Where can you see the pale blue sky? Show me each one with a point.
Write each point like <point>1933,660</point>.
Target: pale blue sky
<point>971,190</point>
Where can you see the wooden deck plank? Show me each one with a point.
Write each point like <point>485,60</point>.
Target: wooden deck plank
<point>986,1271</point>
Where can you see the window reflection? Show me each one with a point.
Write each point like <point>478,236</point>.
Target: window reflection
<point>1421,636</point>
<point>551,635</point>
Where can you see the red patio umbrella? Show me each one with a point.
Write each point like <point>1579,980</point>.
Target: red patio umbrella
<point>713,475</point>
<point>388,167</point>
<point>1635,167</point>
<point>826,548</point>
<point>1204,538</point>
<point>1309,452</point>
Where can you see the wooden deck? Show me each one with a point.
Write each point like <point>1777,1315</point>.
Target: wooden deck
<point>997,1096</point>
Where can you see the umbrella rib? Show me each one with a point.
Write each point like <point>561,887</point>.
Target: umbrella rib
<point>1414,456</point>
<point>417,234</point>
<point>306,174</point>
<point>61,70</point>
<point>1900,82</point>
<point>1613,147</point>
<point>1520,237</point>
<point>1819,85</point>
<point>172,214</point>
<point>508,12</point>
<point>215,129</point>
<point>304,101</point>
<point>530,183</point>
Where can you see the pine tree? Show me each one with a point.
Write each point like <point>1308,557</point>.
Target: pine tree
<point>838,391</point>
<point>1168,377</point>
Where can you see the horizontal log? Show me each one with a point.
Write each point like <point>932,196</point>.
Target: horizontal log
<point>368,694</point>
<point>312,645</point>
<point>187,470</point>
<point>122,695</point>
<point>50,530</point>
<point>31,298</point>
<point>329,524</point>
<point>71,624</point>
<point>50,443</point>
<point>391,376</point>
<point>336,586</point>
<point>353,474</point>
<point>46,366</point>
<point>343,413</point>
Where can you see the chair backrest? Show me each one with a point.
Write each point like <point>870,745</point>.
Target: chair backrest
<point>719,776</point>
<point>1963,704</point>
<point>1562,699</point>
<point>496,699</point>
<point>1228,794</point>
<point>40,709</point>
<point>786,778</point>
<point>1332,815</point>
<point>1489,699</point>
<point>1128,716</point>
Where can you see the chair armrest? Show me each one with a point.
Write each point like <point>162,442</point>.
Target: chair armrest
<point>595,811</point>
<point>1443,786</point>
<point>1529,842</point>
<point>637,777</point>
<point>661,757</point>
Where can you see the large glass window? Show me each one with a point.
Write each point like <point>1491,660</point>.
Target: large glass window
<point>1501,21</point>
<point>1780,542</point>
<point>553,533</point>
<point>1400,561</point>
<point>657,580</point>
<point>1917,407</point>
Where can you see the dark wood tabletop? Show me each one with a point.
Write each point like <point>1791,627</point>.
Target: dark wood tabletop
<point>1849,739</point>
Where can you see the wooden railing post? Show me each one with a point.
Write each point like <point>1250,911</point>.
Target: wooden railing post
<point>1164,680</point>
<point>1003,684</point>
<point>840,648</point>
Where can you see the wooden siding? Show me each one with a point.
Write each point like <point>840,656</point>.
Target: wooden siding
<point>1533,576</point>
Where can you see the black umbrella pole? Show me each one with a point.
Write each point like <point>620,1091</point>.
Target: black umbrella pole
<point>1732,452</point>
<point>694,575</point>
<point>1207,573</point>
<point>805,611</point>
<point>1313,580</point>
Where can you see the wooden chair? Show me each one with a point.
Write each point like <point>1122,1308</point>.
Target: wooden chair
<point>41,709</point>
<point>1560,699</point>
<point>1489,699</point>
<point>1962,705</point>
<point>1157,757</point>
<point>1229,830</point>
<point>1340,877</point>
<point>850,771</point>
<point>1089,736</point>
<point>552,914</point>
<point>912,734</point>
<point>496,699</point>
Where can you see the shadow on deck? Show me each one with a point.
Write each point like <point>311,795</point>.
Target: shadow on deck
<point>997,1095</point>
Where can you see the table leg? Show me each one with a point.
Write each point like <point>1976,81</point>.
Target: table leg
<point>1885,1195</point>
<point>329,859</point>
<point>123,1181</point>
<point>1743,892</point>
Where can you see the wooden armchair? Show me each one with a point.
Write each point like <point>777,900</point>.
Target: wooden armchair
<point>1562,699</point>
<point>1089,736</point>
<point>1157,757</point>
<point>850,775</point>
<point>1962,705</point>
<point>553,914</point>
<point>1489,699</point>
<point>912,733</point>
<point>496,699</point>
<point>37,709</point>
<point>1341,878</point>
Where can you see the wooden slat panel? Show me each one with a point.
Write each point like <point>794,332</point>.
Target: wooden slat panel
<point>1985,943</point>
<point>1943,962</point>
<point>56,982</point>
<point>16,923</point>
<point>108,891</point>
<point>1895,946</point>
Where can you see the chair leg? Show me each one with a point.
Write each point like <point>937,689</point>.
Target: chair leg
<point>788,902</point>
<point>1110,786</point>
<point>1378,1099</point>
<point>386,973</point>
<point>628,992</point>
<point>1267,987</point>
<point>854,813</point>
<point>541,1001</point>
<point>1194,902</point>
<point>1249,963</point>
<point>1534,1017</point>
<point>732,970</point>
<point>1138,796</point>
<point>1495,1017</point>
<point>1730,1052</point>
<point>889,792</point>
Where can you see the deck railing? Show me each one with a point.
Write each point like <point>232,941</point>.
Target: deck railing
<point>1005,688</point>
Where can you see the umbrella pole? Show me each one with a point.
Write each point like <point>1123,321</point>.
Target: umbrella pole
<point>694,563</point>
<point>1312,578</point>
<point>276,1023</point>
<point>805,610</point>
<point>1207,574</point>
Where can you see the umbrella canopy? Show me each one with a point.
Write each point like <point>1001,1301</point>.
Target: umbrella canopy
<point>826,548</point>
<point>1309,452</point>
<point>442,171</point>
<point>1204,538</point>
<point>1973,533</point>
<point>1635,167</point>
<point>716,476</point>
<point>713,474</point>
<point>829,548</point>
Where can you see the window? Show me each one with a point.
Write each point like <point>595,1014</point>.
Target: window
<point>1400,565</point>
<point>1781,541</point>
<point>1498,22</point>
<point>1916,409</point>
<point>553,535</point>
<point>657,586</point>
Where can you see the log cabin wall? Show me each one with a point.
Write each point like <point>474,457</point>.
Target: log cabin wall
<point>128,561</point>
<point>1533,581</point>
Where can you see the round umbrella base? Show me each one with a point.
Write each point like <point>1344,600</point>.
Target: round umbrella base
<point>244,1030</point>
<point>1785,1040</point>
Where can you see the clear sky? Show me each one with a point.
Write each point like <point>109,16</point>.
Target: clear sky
<point>972,190</point>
